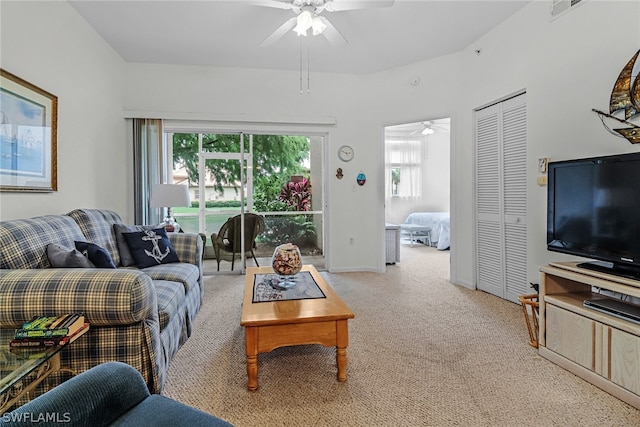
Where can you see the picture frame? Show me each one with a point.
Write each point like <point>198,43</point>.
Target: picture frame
<point>28,136</point>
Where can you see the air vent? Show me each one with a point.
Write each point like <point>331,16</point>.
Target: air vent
<point>560,7</point>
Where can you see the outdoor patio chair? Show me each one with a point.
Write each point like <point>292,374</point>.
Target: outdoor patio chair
<point>227,243</point>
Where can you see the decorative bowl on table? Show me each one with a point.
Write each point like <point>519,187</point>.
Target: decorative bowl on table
<point>286,263</point>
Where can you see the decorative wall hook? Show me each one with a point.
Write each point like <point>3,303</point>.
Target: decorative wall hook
<point>361,178</point>
<point>339,173</point>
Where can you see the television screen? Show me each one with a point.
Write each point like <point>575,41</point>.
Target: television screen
<point>593,211</point>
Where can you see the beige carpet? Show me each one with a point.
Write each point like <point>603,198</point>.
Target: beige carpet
<point>422,352</point>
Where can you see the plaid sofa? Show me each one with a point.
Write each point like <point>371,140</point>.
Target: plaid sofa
<point>138,316</point>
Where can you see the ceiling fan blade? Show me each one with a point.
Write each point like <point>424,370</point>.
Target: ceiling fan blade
<point>271,3</point>
<point>334,36</point>
<point>279,32</point>
<point>340,5</point>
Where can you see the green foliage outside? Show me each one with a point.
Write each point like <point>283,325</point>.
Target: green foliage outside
<point>217,204</point>
<point>266,195</point>
<point>395,175</point>
<point>291,197</point>
<point>280,229</point>
<point>273,155</point>
<point>297,195</point>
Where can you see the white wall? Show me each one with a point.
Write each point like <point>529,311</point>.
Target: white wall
<point>437,173</point>
<point>50,46</point>
<point>567,67</point>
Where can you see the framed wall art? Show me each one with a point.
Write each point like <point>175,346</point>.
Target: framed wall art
<point>28,136</point>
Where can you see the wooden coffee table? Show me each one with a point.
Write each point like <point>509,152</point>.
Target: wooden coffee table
<point>269,325</point>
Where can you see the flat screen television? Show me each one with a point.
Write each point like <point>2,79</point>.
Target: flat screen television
<point>593,211</point>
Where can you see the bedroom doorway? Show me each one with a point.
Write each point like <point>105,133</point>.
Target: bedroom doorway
<point>417,182</point>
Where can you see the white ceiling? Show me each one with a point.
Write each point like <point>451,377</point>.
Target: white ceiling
<point>228,33</point>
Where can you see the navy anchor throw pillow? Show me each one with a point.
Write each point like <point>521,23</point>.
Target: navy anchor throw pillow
<point>151,247</point>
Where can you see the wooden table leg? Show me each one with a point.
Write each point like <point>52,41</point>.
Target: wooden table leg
<point>251,349</point>
<point>342,341</point>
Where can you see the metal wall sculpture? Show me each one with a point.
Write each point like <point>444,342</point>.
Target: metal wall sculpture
<point>625,97</point>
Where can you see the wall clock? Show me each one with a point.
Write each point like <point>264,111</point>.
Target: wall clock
<point>345,153</point>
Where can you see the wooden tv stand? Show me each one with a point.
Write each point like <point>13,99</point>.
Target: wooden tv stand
<point>602,349</point>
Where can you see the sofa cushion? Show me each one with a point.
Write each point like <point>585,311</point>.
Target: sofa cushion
<point>23,242</point>
<point>187,274</point>
<point>61,257</point>
<point>97,226</point>
<point>96,254</point>
<point>170,296</point>
<point>151,247</point>
<point>126,259</point>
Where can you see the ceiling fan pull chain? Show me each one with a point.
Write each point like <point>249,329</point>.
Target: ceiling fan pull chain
<point>300,66</point>
<point>308,70</point>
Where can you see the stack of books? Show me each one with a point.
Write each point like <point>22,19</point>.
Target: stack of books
<point>49,331</point>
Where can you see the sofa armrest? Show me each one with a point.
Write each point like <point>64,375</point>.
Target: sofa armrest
<point>112,393</point>
<point>188,247</point>
<point>96,397</point>
<point>105,296</point>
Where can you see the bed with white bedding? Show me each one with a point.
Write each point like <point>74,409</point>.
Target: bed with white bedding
<point>440,226</point>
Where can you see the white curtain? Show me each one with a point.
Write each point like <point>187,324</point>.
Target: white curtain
<point>407,155</point>
<point>149,167</point>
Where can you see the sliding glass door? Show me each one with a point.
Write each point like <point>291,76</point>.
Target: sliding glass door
<point>278,177</point>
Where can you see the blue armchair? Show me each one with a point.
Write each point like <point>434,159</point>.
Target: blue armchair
<point>110,394</point>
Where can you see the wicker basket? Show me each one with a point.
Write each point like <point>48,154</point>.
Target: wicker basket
<point>530,308</point>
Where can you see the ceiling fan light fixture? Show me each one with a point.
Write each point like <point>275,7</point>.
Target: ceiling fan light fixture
<point>427,131</point>
<point>317,26</point>
<point>303,22</point>
<point>300,31</point>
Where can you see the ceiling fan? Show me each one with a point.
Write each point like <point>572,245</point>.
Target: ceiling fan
<point>428,128</point>
<point>308,16</point>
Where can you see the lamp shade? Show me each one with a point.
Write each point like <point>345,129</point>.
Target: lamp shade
<point>170,195</point>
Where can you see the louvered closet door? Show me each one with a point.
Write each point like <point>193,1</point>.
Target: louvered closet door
<point>501,198</point>
<point>514,175</point>
<point>488,201</point>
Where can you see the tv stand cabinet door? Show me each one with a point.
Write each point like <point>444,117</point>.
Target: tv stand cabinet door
<point>625,354</point>
<point>571,335</point>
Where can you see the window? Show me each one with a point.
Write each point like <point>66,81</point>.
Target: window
<point>404,157</point>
